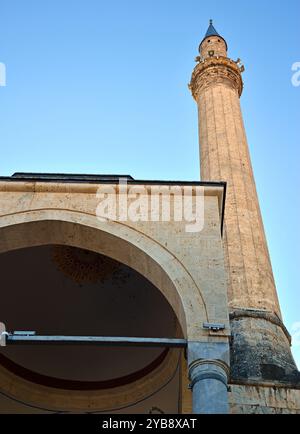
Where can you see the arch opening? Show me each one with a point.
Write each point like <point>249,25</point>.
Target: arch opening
<point>43,235</point>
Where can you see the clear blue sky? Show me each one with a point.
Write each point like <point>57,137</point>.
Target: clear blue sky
<point>101,87</point>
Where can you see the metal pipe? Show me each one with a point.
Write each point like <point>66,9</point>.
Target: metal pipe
<point>25,339</point>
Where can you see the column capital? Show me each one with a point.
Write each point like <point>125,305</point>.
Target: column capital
<point>208,365</point>
<point>203,369</point>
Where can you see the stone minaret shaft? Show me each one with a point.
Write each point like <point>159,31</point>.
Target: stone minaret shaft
<point>216,85</point>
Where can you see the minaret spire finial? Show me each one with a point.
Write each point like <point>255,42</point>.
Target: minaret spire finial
<point>210,21</point>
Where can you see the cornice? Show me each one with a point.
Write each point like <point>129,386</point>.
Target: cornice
<point>213,70</point>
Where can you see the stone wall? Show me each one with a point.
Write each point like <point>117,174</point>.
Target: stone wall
<point>264,400</point>
<point>64,213</point>
<point>215,44</point>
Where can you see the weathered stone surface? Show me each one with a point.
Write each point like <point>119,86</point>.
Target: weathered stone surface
<point>260,352</point>
<point>260,345</point>
<point>264,400</point>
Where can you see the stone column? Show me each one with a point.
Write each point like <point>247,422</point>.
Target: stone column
<point>208,375</point>
<point>260,342</point>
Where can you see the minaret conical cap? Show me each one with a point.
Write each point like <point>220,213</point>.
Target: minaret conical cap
<point>211,31</point>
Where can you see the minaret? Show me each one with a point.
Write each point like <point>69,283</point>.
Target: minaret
<point>260,342</point>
